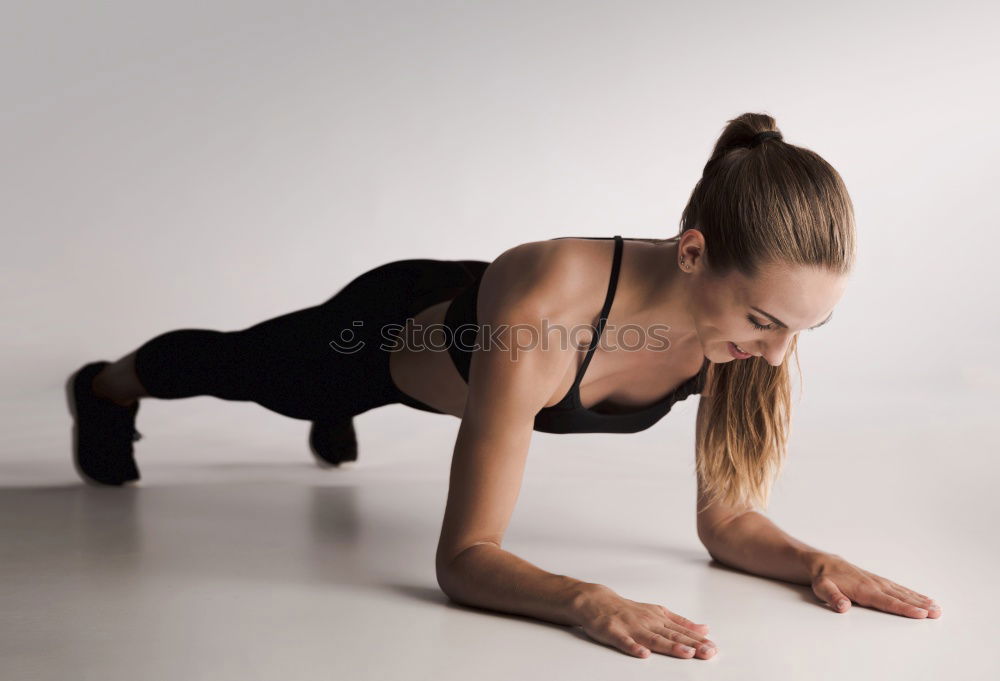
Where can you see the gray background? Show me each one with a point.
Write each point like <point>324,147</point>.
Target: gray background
<point>210,165</point>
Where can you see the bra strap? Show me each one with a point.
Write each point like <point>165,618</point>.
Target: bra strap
<point>608,299</point>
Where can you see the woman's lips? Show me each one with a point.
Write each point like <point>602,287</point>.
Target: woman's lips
<point>736,353</point>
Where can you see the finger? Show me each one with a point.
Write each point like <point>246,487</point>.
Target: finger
<point>915,593</point>
<point>827,590</point>
<point>685,622</point>
<point>893,586</point>
<point>683,625</point>
<point>921,601</point>
<point>889,603</point>
<point>620,639</point>
<point>703,647</point>
<point>677,633</point>
<point>669,644</point>
<point>691,636</point>
<point>908,597</point>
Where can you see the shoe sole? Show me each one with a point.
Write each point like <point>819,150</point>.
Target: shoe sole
<point>324,463</point>
<point>75,437</point>
<point>320,461</point>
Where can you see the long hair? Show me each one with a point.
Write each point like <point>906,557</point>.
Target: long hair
<point>757,205</point>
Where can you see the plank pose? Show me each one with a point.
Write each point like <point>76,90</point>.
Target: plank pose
<point>563,335</point>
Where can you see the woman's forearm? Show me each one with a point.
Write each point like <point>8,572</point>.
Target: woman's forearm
<point>487,576</point>
<point>753,543</point>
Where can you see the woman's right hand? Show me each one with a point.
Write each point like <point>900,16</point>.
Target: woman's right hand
<point>640,629</point>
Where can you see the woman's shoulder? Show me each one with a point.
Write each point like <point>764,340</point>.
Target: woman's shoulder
<point>554,277</point>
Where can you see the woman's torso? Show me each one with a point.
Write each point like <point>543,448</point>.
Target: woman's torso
<point>616,392</point>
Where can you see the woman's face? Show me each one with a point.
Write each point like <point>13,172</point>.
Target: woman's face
<point>783,299</point>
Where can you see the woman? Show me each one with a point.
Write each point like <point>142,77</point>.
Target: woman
<point>766,244</point>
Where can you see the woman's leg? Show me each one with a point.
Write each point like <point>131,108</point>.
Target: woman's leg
<point>229,365</point>
<point>118,382</point>
<point>282,364</point>
<point>328,361</point>
<point>302,364</point>
<point>295,364</point>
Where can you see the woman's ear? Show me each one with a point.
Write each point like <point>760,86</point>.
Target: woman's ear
<point>691,250</point>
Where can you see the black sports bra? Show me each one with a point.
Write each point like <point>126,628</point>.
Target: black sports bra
<point>568,415</point>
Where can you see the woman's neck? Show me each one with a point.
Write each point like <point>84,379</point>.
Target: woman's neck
<point>661,288</point>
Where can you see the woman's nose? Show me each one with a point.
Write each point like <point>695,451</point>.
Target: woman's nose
<point>775,349</point>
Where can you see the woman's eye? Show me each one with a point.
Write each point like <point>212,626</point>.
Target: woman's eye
<point>757,325</point>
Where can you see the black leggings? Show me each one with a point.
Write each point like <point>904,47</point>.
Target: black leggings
<point>288,365</point>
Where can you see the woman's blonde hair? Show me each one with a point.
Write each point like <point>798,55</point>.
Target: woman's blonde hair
<point>758,205</point>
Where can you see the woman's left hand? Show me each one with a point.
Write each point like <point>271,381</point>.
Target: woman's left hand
<point>838,582</point>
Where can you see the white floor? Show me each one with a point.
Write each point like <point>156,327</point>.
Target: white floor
<point>237,558</point>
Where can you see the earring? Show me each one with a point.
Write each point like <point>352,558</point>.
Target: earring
<point>683,266</point>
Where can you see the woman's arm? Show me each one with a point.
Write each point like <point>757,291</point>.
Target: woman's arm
<point>486,472</point>
<point>753,543</point>
<point>749,541</point>
<point>505,393</point>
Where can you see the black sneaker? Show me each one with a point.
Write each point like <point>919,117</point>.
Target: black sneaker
<point>333,442</point>
<point>103,432</point>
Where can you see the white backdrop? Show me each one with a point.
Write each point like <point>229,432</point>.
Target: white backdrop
<point>211,165</point>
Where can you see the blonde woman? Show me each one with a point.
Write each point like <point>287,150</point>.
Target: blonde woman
<point>564,335</point>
